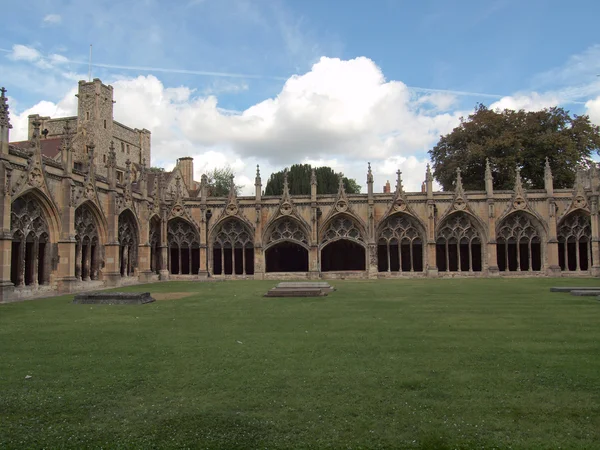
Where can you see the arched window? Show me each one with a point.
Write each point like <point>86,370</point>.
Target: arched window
<point>400,246</point>
<point>31,251</point>
<point>128,243</point>
<point>518,244</point>
<point>184,247</point>
<point>458,245</point>
<point>87,249</point>
<point>286,247</point>
<point>342,246</point>
<point>575,242</point>
<point>233,249</point>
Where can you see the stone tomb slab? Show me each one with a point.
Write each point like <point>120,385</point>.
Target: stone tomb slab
<point>113,298</point>
<point>586,293</point>
<point>569,289</point>
<point>300,289</point>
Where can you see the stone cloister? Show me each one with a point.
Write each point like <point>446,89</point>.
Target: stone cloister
<point>66,227</point>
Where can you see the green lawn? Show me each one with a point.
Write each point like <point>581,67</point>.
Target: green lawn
<point>390,363</point>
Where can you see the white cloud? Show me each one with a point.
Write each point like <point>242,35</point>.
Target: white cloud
<point>529,102</point>
<point>592,109</point>
<point>340,113</point>
<point>52,19</point>
<point>24,53</point>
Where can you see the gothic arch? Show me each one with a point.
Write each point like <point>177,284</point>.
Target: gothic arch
<point>128,235</point>
<point>31,250</point>
<point>183,238</point>
<point>343,244</point>
<point>99,218</point>
<point>574,234</point>
<point>225,219</point>
<point>51,213</point>
<point>232,247</point>
<point>342,226</point>
<point>519,238</point>
<point>89,240</point>
<point>459,243</point>
<point>400,243</point>
<point>286,229</point>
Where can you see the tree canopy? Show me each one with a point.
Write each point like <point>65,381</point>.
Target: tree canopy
<point>512,139</point>
<point>219,182</point>
<point>299,181</point>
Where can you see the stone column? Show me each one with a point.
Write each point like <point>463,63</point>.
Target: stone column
<point>164,262</point>
<point>595,269</point>
<point>47,266</point>
<point>21,263</point>
<point>87,259</point>
<point>78,251</point>
<point>259,263</point>
<point>371,257</point>
<point>125,262</point>
<point>550,258</point>
<point>35,261</point>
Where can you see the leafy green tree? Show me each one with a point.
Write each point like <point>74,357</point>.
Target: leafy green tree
<point>512,139</point>
<point>219,182</point>
<point>299,181</point>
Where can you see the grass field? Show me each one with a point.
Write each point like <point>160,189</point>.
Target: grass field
<point>390,363</point>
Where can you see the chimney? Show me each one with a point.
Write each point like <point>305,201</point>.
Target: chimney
<point>387,189</point>
<point>186,166</point>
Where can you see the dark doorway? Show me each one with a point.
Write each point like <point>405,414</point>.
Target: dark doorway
<point>286,257</point>
<point>342,255</point>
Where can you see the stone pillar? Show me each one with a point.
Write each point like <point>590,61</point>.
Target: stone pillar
<point>145,262</point>
<point>595,244</point>
<point>550,259</point>
<point>87,259</point>
<point>35,261</point>
<point>124,267</point>
<point>21,263</point>
<point>164,262</point>
<point>78,251</point>
<point>259,263</point>
<point>492,253</point>
<point>47,263</point>
<point>431,266</point>
<point>6,286</point>
<point>313,262</point>
<point>371,263</point>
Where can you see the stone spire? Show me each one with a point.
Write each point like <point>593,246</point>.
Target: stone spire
<point>203,187</point>
<point>5,125</point>
<point>341,189</point>
<point>429,182</point>
<point>35,137</point>
<point>369,181</point>
<point>232,194</point>
<point>286,187</point>
<point>66,149</point>
<point>177,196</point>
<point>313,185</point>
<point>458,188</point>
<point>257,185</point>
<point>143,179</point>
<point>399,188</point>
<point>548,180</point>
<point>489,180</point>
<point>518,183</point>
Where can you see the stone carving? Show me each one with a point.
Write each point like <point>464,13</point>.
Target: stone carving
<point>459,227</point>
<point>342,228</point>
<point>288,230</point>
<point>518,227</point>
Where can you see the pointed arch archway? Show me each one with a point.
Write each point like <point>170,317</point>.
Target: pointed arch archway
<point>575,242</point>
<point>32,231</point>
<point>519,238</point>
<point>400,248</point>
<point>232,248</point>
<point>90,234</point>
<point>459,240</point>
<point>343,244</point>
<point>183,240</point>
<point>128,243</point>
<point>286,245</point>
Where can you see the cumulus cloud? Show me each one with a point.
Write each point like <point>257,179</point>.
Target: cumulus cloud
<point>52,19</point>
<point>592,109</point>
<point>24,53</point>
<point>528,102</point>
<point>340,113</point>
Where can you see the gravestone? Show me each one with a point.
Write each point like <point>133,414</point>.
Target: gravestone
<point>113,298</point>
<point>300,289</point>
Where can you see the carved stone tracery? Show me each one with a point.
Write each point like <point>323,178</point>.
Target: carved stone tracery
<point>232,233</point>
<point>342,228</point>
<point>458,228</point>
<point>288,230</point>
<point>518,227</point>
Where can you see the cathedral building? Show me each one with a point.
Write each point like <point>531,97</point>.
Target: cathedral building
<point>81,210</point>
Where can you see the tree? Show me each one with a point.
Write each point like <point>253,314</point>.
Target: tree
<point>219,182</point>
<point>299,181</point>
<point>512,139</point>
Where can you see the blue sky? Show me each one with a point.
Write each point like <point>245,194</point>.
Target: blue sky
<point>242,82</point>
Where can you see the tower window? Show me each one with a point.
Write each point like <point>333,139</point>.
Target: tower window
<point>128,149</point>
<point>105,124</point>
<point>104,158</point>
<point>122,147</point>
<point>87,115</point>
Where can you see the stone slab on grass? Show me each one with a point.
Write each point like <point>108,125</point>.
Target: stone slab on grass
<point>306,285</point>
<point>587,293</point>
<point>305,292</point>
<point>113,298</point>
<point>569,289</point>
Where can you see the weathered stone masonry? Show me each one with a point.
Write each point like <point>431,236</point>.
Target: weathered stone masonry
<point>88,216</point>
